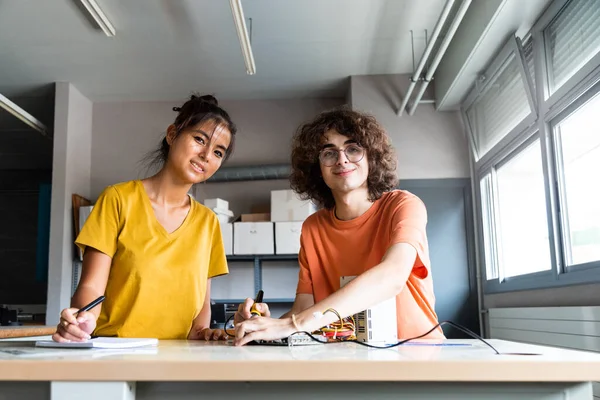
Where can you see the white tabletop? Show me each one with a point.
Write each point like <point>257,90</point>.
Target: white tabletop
<point>464,360</point>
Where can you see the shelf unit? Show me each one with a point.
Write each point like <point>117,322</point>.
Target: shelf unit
<point>257,260</point>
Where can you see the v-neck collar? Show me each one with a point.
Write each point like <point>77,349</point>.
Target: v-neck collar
<point>156,223</point>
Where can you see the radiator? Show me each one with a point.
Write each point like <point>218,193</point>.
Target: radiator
<point>567,327</point>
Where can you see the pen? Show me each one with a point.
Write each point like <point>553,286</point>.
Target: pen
<point>91,305</point>
<point>259,298</point>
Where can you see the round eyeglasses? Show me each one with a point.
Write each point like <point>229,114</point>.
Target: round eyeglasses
<point>329,157</point>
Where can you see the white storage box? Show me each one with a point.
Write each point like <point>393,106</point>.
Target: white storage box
<point>227,233</point>
<point>224,216</point>
<point>253,238</point>
<point>287,237</point>
<point>217,203</point>
<point>286,206</point>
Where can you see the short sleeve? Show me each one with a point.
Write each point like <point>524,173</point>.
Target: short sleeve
<point>409,225</point>
<point>218,259</point>
<point>101,229</point>
<point>305,285</point>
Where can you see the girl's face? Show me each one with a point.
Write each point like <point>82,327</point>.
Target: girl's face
<point>198,151</point>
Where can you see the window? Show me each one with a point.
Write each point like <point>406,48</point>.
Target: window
<point>500,102</point>
<point>577,140</point>
<point>537,153</point>
<point>488,234</point>
<point>523,242</point>
<point>571,40</point>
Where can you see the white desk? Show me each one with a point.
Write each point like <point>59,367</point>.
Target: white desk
<point>182,370</point>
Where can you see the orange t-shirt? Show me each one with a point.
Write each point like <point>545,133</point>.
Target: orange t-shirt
<point>332,248</point>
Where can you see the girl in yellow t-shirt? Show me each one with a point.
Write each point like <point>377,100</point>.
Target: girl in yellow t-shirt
<point>149,247</point>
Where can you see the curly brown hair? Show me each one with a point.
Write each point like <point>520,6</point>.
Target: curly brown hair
<point>306,179</point>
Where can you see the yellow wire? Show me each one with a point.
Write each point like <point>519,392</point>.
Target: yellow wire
<point>340,326</point>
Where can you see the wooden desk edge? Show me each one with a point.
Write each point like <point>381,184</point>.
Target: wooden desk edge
<point>293,371</point>
<point>26,331</point>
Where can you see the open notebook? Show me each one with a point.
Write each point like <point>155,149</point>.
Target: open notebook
<point>101,343</point>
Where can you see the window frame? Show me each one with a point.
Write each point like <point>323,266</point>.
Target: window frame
<point>511,46</point>
<point>554,122</point>
<point>557,98</point>
<point>549,109</point>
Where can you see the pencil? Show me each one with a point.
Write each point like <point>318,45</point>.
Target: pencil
<point>91,305</point>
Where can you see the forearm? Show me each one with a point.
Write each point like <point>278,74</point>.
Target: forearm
<point>203,318</point>
<point>378,284</point>
<point>85,295</point>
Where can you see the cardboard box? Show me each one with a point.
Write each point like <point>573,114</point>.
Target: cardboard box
<point>217,203</point>
<point>253,238</point>
<point>287,237</point>
<point>227,233</point>
<point>287,207</point>
<point>256,217</point>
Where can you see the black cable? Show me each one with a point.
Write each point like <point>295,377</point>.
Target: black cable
<point>225,325</point>
<point>401,342</point>
<point>457,326</point>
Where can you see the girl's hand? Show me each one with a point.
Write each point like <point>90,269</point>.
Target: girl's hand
<point>74,328</point>
<point>207,334</point>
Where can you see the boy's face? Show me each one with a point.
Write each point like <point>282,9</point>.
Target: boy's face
<point>344,163</point>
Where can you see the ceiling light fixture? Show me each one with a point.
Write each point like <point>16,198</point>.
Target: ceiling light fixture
<point>23,115</point>
<point>244,38</point>
<point>98,15</point>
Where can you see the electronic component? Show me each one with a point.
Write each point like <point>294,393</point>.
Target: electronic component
<point>302,339</point>
<point>376,324</point>
<point>296,339</point>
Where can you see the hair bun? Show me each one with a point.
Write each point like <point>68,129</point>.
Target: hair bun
<point>210,99</point>
<point>198,101</point>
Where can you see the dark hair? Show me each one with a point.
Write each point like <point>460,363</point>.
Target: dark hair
<point>306,179</point>
<point>194,111</point>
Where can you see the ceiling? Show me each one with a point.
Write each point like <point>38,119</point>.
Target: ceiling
<point>166,49</point>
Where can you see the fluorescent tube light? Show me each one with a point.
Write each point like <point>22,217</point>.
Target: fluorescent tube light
<point>98,15</point>
<point>240,26</point>
<point>23,115</point>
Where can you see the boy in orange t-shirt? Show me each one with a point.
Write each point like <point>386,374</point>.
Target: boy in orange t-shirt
<point>344,161</point>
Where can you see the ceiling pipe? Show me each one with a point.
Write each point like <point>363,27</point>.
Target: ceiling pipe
<point>251,173</point>
<point>440,53</point>
<point>417,73</point>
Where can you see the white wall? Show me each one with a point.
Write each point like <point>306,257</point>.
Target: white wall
<point>430,144</point>
<point>71,174</point>
<point>124,132</point>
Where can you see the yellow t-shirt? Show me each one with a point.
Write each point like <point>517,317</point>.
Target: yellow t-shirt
<point>157,282</point>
